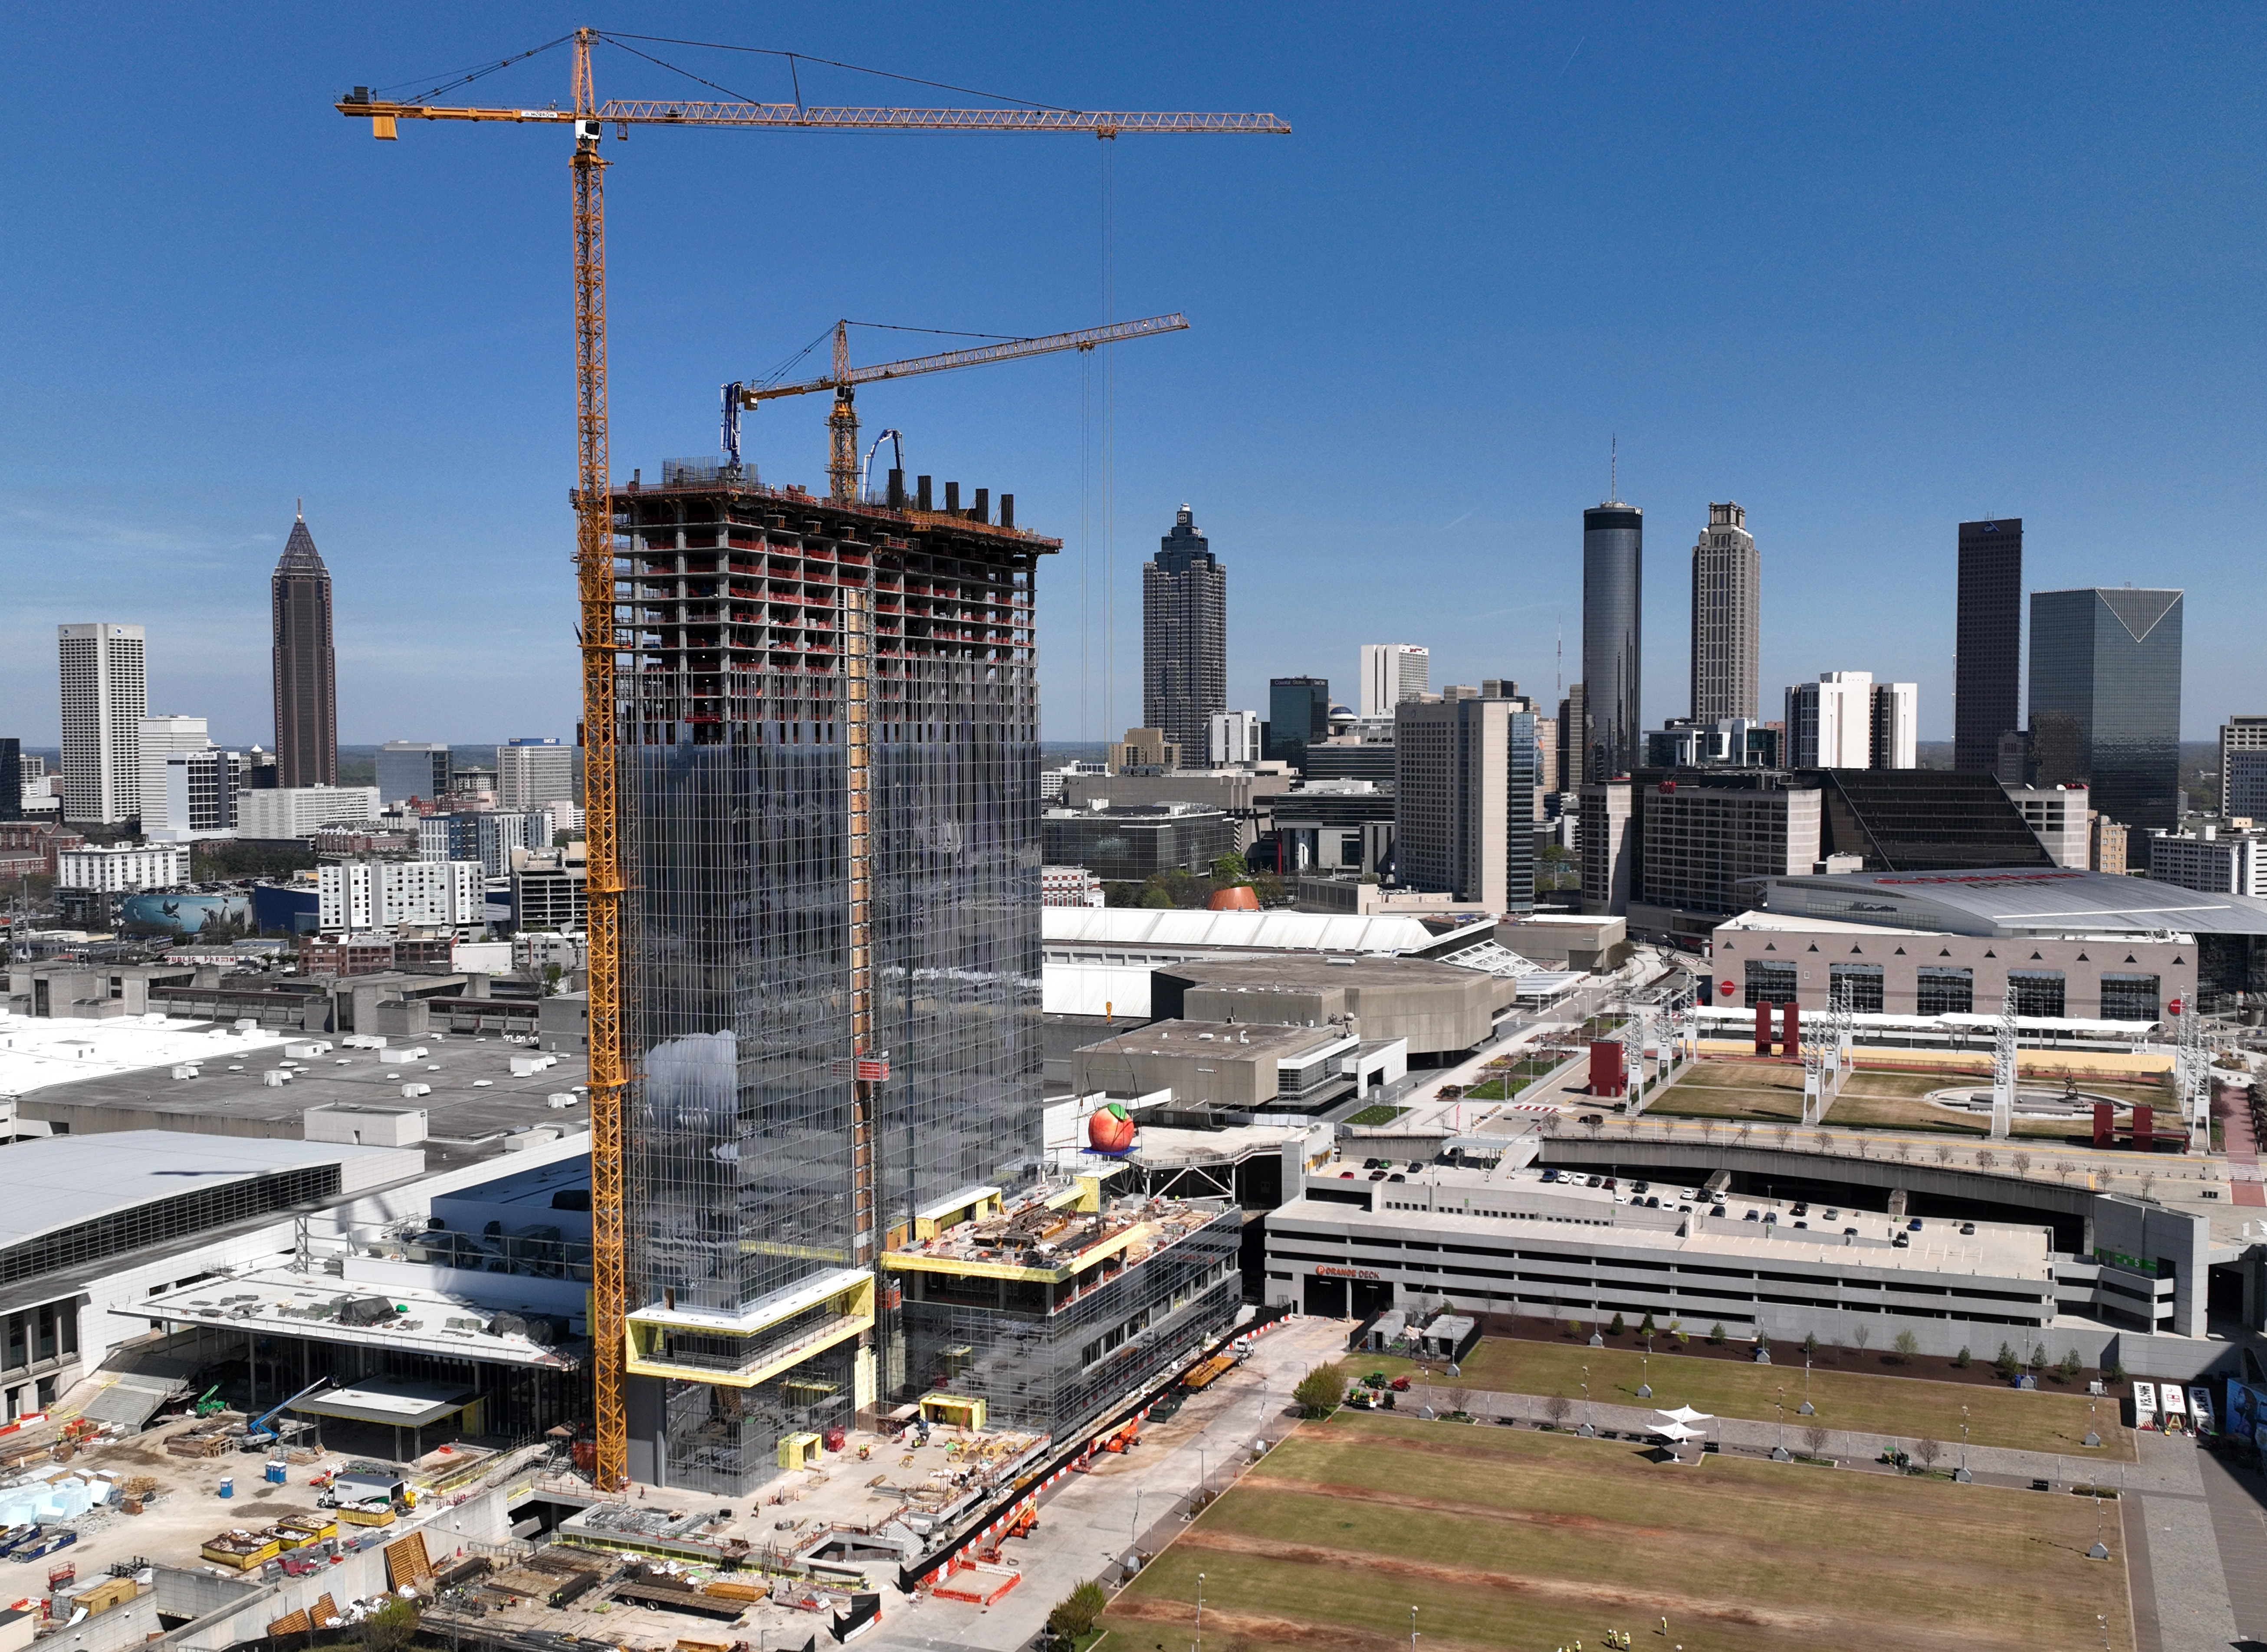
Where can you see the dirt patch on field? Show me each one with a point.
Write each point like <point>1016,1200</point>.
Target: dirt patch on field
<point>1554,1589</point>
<point>1254,1626</point>
<point>1589,1523</point>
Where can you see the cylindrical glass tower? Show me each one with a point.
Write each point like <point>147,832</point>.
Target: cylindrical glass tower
<point>1613,601</point>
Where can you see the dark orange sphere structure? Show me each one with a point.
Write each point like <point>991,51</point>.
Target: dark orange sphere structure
<point>1235,898</point>
<point>1110,1129</point>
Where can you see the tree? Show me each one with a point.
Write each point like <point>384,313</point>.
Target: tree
<point>1156,899</point>
<point>1943,1153</point>
<point>1860,1337</point>
<point>1229,868</point>
<point>1810,1346</point>
<point>1557,1407</point>
<point>1460,1401</point>
<point>392,1627</point>
<point>2065,1169</point>
<point>1960,1360</point>
<point>1644,1325</point>
<point>1926,1452</point>
<point>2021,1161</point>
<point>1320,1390</point>
<point>1574,1328</point>
<point>1076,1613</point>
<point>2005,1363</point>
<point>1907,1345</point>
<point>1823,1141</point>
<point>2068,1367</point>
<point>1985,1159</point>
<point>1716,1333</point>
<point>1617,1328</point>
<point>1814,1438</point>
<point>1784,1134</point>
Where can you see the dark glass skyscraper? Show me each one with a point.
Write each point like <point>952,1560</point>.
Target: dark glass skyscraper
<point>1988,662</point>
<point>1298,715</point>
<point>2106,698</point>
<point>306,669</point>
<point>1184,638</point>
<point>1613,653</point>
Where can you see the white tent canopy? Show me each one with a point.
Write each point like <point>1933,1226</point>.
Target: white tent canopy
<point>1676,1433</point>
<point>1686,1414</point>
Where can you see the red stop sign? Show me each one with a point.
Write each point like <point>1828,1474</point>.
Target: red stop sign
<point>1725,986</point>
<point>2175,1005</point>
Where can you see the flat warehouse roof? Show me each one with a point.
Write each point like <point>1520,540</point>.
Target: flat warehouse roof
<point>58,1181</point>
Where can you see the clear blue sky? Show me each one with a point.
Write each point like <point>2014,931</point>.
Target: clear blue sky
<point>1868,270</point>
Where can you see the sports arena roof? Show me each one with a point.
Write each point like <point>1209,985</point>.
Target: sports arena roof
<point>2015,900</point>
<point>1271,932</point>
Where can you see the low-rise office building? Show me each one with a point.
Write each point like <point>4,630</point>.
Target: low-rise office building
<point>296,811</point>
<point>1239,1071</point>
<point>2210,859</point>
<point>1129,845</point>
<point>1440,1011</point>
<point>2061,818</point>
<point>362,895</point>
<point>117,867</point>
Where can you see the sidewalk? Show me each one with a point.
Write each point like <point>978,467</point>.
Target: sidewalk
<point>1741,1436</point>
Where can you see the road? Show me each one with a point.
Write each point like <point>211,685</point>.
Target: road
<point>1089,1522</point>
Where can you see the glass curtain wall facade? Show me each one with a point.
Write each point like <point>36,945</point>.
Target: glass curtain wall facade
<point>1613,637</point>
<point>1298,715</point>
<point>2106,698</point>
<point>754,1309</point>
<point>1184,637</point>
<point>1988,662</point>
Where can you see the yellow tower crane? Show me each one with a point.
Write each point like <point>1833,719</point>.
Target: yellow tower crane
<point>595,577</point>
<point>842,422</point>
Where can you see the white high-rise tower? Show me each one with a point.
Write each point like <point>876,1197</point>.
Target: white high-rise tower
<point>104,697</point>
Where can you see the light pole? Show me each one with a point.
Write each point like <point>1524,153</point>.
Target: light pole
<point>1645,1384</point>
<point>1134,1531</point>
<point>1413,1629</point>
<point>1779,1451</point>
<point>1805,1409</point>
<point>1963,1476</point>
<point>1586,1431</point>
<point>2093,1437</point>
<point>1200,1610</point>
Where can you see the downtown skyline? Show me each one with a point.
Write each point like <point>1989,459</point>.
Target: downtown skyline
<point>1907,323</point>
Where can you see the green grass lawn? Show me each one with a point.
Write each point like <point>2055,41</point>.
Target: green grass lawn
<point>1869,1401</point>
<point>1772,1094</point>
<point>1505,1539</point>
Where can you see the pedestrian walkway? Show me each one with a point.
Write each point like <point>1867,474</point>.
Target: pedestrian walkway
<point>2241,1143</point>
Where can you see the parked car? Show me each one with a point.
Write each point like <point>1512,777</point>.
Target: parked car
<point>1913,1226</point>
<point>1750,1216</point>
<point>1397,1176</point>
<point>1967,1229</point>
<point>1848,1232</point>
<point>1377,1176</point>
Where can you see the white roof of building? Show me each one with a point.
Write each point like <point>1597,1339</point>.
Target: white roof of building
<point>58,1181</point>
<point>36,1051</point>
<point>1271,932</point>
<point>2018,900</point>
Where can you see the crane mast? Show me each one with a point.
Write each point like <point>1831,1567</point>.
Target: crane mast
<point>595,570</point>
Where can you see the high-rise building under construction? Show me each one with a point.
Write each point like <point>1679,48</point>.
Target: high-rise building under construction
<point>836,1195</point>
